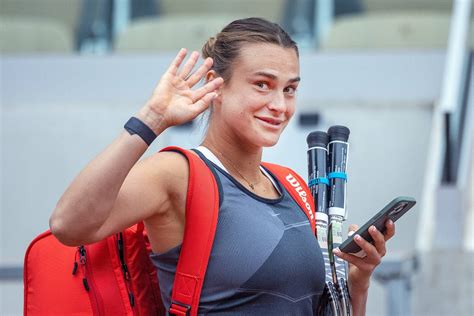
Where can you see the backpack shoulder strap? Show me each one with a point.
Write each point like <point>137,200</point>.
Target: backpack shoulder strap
<point>202,206</point>
<point>297,188</point>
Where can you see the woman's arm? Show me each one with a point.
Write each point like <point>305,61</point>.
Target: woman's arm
<point>361,269</point>
<point>92,196</point>
<point>114,191</point>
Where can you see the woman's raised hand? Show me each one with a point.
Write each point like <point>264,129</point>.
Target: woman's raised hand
<point>173,101</point>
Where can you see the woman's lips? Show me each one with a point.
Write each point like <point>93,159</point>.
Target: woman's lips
<point>271,121</point>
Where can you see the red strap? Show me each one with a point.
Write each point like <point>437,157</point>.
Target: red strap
<point>202,206</point>
<point>297,188</point>
<point>140,227</point>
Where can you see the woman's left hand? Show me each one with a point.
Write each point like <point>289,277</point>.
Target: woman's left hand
<point>360,269</point>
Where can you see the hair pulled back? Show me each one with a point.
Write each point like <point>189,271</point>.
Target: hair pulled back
<point>224,48</point>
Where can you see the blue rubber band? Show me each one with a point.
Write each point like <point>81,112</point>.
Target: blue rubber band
<point>317,181</point>
<point>337,175</point>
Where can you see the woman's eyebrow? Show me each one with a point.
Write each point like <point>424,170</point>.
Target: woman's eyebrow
<point>273,77</point>
<point>297,79</point>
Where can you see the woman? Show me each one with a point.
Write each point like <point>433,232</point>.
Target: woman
<point>259,261</point>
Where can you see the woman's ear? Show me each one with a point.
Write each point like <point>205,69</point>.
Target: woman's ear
<point>211,74</point>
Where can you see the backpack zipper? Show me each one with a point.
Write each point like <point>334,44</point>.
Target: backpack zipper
<point>82,253</point>
<point>126,272</point>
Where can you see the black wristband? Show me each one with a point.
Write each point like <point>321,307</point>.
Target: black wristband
<point>135,126</point>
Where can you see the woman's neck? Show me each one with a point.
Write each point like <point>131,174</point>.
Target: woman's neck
<point>240,160</point>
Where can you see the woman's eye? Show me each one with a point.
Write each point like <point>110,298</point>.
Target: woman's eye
<point>290,90</point>
<point>262,85</point>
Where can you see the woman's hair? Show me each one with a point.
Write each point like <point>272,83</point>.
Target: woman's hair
<point>224,48</point>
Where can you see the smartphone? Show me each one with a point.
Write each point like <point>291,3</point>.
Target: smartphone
<point>393,210</point>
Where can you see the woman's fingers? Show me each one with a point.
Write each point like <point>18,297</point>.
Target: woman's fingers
<point>379,240</point>
<point>203,103</point>
<point>390,229</point>
<point>211,86</point>
<point>374,251</point>
<point>189,65</point>
<point>173,68</point>
<point>201,72</point>
<point>348,257</point>
<point>358,262</point>
<point>372,254</point>
<point>204,95</point>
<point>366,264</point>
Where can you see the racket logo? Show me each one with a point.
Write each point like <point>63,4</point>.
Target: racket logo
<point>301,192</point>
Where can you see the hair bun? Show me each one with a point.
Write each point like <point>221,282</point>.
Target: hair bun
<point>208,48</point>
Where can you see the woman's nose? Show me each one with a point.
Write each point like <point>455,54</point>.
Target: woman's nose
<point>277,103</point>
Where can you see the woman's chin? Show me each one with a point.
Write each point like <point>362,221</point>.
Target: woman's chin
<point>270,141</point>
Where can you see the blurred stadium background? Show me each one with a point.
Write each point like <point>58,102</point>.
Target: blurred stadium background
<point>398,73</point>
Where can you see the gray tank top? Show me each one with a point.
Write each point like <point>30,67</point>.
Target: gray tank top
<point>265,259</point>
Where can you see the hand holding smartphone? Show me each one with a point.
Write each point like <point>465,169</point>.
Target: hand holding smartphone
<point>393,210</point>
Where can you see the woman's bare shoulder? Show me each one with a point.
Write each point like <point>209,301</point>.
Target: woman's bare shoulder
<point>170,169</point>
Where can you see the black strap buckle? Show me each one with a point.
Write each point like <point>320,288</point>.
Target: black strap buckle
<point>179,309</point>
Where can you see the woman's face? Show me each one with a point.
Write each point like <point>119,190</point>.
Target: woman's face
<point>256,103</point>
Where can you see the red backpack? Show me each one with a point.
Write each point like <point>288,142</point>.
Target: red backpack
<point>115,276</point>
